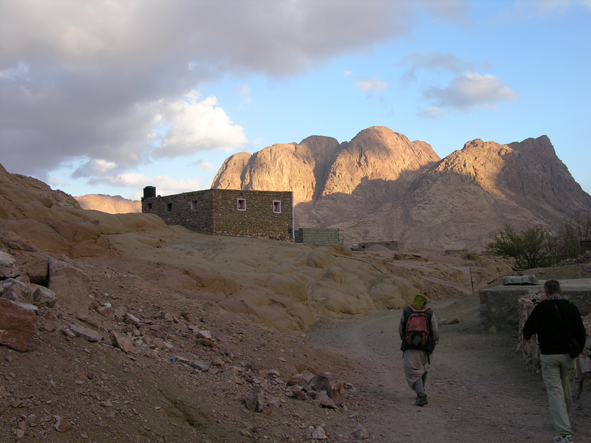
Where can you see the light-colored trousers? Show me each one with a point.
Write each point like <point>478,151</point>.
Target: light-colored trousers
<point>558,371</point>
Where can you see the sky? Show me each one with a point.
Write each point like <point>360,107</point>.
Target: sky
<point>109,96</point>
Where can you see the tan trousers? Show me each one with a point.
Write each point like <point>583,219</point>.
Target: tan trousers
<point>558,371</point>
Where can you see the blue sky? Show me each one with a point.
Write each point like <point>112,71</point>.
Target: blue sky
<point>106,97</point>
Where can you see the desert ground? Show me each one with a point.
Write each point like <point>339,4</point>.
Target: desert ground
<point>183,341</point>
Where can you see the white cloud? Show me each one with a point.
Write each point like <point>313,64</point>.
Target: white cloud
<point>196,126</point>
<point>371,84</point>
<point>526,9</point>
<point>165,185</point>
<point>470,91</point>
<point>242,89</point>
<point>434,61</point>
<point>106,80</point>
<point>208,166</point>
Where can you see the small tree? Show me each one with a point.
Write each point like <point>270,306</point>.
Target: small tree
<point>530,248</point>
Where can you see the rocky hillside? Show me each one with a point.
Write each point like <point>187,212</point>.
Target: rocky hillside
<point>381,186</point>
<point>109,204</point>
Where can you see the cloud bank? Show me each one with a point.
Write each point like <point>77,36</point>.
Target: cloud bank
<point>111,84</point>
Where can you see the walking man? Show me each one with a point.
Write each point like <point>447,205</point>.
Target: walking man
<point>419,334</point>
<point>555,320</point>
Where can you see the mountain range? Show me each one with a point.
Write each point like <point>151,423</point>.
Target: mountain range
<point>382,186</point>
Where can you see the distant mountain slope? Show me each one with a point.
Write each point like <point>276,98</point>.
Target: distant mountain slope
<point>381,186</point>
<point>109,204</point>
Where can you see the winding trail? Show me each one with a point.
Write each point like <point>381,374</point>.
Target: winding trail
<point>479,389</point>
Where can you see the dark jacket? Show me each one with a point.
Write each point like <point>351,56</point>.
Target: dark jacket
<point>545,321</point>
<point>433,338</point>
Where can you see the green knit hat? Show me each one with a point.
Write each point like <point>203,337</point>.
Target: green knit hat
<point>419,301</point>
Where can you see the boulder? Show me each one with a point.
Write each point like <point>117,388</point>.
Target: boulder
<point>71,285</point>
<point>86,333</point>
<point>15,290</point>
<point>17,325</point>
<point>123,342</point>
<point>334,387</point>
<point>44,297</point>
<point>6,260</point>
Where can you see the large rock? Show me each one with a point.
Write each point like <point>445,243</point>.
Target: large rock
<point>71,285</point>
<point>44,297</point>
<point>17,325</point>
<point>15,290</point>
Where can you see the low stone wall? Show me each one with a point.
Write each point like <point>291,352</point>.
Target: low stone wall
<point>456,252</point>
<point>499,305</point>
<point>530,350</point>
<point>394,245</point>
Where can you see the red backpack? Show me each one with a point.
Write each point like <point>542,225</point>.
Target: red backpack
<point>417,328</point>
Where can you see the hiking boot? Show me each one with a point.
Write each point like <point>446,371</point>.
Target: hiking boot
<point>422,401</point>
<point>563,439</point>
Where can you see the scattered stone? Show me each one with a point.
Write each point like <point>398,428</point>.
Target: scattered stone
<point>44,297</point>
<point>199,365</point>
<point>451,321</point>
<point>179,359</point>
<point>334,388</point>
<point>319,434</point>
<point>6,260</point>
<point>132,320</point>
<point>254,399</point>
<point>86,333</point>
<point>204,334</point>
<point>123,342</point>
<point>104,308</point>
<point>325,401</point>
<point>68,333</point>
<point>14,290</point>
<point>62,425</point>
<point>302,379</point>
<point>17,325</point>
<point>360,433</point>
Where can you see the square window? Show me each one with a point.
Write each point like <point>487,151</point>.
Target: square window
<point>149,205</point>
<point>277,206</point>
<point>241,204</point>
<point>193,205</point>
<point>169,207</point>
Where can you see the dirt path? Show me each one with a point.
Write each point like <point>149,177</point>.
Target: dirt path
<point>479,389</point>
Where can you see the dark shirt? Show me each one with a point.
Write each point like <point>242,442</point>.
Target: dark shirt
<point>545,321</point>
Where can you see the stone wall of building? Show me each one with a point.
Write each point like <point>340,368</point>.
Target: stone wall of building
<point>228,212</point>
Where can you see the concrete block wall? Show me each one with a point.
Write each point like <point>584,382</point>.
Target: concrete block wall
<point>216,211</point>
<point>317,236</point>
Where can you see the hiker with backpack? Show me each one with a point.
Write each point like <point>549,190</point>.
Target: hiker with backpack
<point>561,335</point>
<point>419,334</point>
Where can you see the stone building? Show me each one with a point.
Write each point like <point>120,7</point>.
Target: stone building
<point>226,211</point>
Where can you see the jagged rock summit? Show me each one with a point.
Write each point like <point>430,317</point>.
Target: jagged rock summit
<point>381,186</point>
